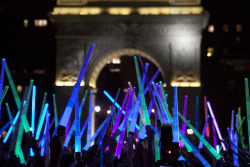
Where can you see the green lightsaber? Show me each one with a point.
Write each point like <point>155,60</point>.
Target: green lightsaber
<point>248,110</point>
<point>206,144</point>
<point>3,94</point>
<point>55,110</point>
<point>12,86</point>
<point>143,101</point>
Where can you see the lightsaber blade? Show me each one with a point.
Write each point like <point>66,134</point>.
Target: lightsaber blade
<point>183,128</point>
<point>67,112</point>
<point>205,106</point>
<point>176,122</point>
<point>206,144</point>
<point>143,101</point>
<point>216,125</point>
<point>39,127</point>
<point>77,129</point>
<point>248,110</point>
<point>204,132</point>
<point>55,110</point>
<point>33,109</point>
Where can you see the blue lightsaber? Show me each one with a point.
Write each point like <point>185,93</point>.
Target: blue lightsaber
<point>33,109</point>
<point>67,112</point>
<point>1,81</point>
<point>204,131</point>
<point>77,129</point>
<point>176,124</point>
<point>86,147</point>
<point>39,128</point>
<point>11,128</point>
<point>117,105</point>
<point>89,120</point>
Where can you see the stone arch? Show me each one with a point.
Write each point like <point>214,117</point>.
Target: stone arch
<point>94,73</point>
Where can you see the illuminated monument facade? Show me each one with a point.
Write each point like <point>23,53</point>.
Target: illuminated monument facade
<point>167,32</point>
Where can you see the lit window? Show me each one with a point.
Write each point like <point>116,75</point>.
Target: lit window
<point>225,28</point>
<point>237,39</point>
<point>108,111</point>
<point>210,28</point>
<point>210,52</point>
<point>40,22</point>
<point>26,23</point>
<point>116,60</point>
<point>113,70</point>
<point>39,72</point>
<point>19,88</point>
<point>238,27</point>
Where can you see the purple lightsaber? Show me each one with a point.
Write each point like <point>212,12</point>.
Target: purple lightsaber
<point>216,125</point>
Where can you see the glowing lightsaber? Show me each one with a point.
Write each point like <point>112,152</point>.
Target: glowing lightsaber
<point>1,81</point>
<point>190,148</point>
<point>89,121</point>
<point>143,101</point>
<point>248,110</point>
<point>86,147</point>
<point>150,91</point>
<point>86,122</point>
<point>240,129</point>
<point>143,129</point>
<point>197,113</point>
<point>12,86</point>
<point>82,103</point>
<point>101,136</point>
<point>120,108</point>
<point>152,80</point>
<point>2,76</point>
<point>135,115</point>
<point>138,96</point>
<point>11,128</point>
<point>205,106</point>
<point>3,94</point>
<point>206,144</point>
<point>216,125</point>
<point>43,104</point>
<point>47,153</point>
<point>39,127</point>
<point>55,110</point>
<point>44,138</point>
<point>33,109</point>
<point>204,132</point>
<point>122,135</point>
<point>77,130</point>
<point>183,130</point>
<point>66,142</point>
<point>67,112</point>
<point>6,125</point>
<point>214,134</point>
<point>143,83</point>
<point>9,113</point>
<point>25,109</point>
<point>164,119</point>
<point>232,127</point>
<point>17,132</point>
<point>235,157</point>
<point>176,124</point>
<point>165,102</point>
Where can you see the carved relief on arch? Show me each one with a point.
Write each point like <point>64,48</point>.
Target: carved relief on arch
<point>185,66</point>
